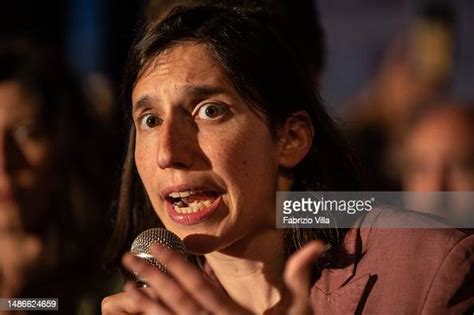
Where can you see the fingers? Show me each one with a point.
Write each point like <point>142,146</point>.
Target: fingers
<point>296,275</point>
<point>145,302</point>
<point>161,285</point>
<point>185,290</point>
<point>132,301</point>
<point>194,282</point>
<point>119,304</point>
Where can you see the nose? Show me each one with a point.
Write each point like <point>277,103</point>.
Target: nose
<point>176,144</point>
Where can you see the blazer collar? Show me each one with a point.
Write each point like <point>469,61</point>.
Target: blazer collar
<point>335,278</point>
<point>340,290</point>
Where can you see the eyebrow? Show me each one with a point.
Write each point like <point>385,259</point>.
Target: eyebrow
<point>192,91</point>
<point>144,101</point>
<point>199,91</point>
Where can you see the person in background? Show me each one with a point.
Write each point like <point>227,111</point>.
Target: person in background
<point>416,71</point>
<point>437,153</point>
<point>439,150</point>
<point>54,185</point>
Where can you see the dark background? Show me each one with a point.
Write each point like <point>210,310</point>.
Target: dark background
<point>96,35</point>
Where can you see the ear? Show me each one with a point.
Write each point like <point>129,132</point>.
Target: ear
<point>295,138</point>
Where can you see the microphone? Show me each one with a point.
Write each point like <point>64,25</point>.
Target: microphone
<point>142,243</point>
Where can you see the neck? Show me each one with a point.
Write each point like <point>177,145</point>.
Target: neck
<point>251,270</point>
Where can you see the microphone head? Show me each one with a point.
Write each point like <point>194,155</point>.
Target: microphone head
<point>142,243</point>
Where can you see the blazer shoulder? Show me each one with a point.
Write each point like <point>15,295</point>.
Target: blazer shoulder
<point>433,265</point>
<point>424,244</point>
<point>452,289</point>
<point>408,229</point>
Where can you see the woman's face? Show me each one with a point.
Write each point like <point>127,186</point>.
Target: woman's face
<point>25,155</point>
<point>207,160</point>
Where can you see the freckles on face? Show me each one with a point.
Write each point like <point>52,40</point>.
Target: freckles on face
<point>196,135</point>
<point>244,158</point>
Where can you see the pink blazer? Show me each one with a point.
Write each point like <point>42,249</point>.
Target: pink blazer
<point>399,271</point>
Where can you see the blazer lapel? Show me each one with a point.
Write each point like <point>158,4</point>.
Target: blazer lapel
<point>340,290</point>
<point>339,300</point>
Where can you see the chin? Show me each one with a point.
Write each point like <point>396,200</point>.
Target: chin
<point>201,244</point>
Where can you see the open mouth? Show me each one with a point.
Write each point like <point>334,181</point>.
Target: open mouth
<point>192,201</point>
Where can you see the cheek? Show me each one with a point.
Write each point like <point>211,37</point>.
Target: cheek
<point>246,159</point>
<point>144,161</point>
<point>235,157</point>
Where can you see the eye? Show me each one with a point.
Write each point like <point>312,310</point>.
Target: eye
<point>149,121</point>
<point>211,111</point>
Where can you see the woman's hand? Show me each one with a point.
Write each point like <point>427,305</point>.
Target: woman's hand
<point>297,277</point>
<point>187,291</point>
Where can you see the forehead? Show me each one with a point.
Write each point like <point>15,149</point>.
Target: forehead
<point>183,65</point>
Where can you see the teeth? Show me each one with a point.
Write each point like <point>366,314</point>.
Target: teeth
<point>181,209</point>
<point>193,207</point>
<point>182,194</point>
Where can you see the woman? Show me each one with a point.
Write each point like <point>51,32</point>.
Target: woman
<point>223,117</point>
<point>49,193</point>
